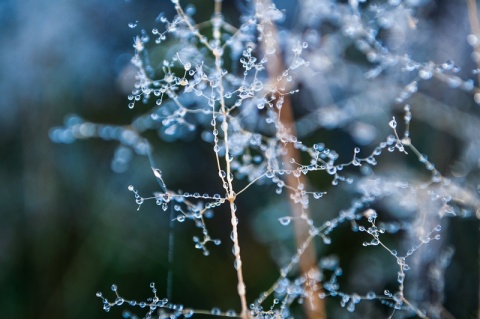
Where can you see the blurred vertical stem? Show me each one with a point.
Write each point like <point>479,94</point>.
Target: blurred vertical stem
<point>314,305</point>
<point>475,28</point>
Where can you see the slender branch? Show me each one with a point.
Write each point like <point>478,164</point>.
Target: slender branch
<point>241,288</point>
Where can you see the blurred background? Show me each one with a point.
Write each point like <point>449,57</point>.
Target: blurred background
<point>68,225</point>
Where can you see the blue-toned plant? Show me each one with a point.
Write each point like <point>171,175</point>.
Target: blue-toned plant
<point>262,96</point>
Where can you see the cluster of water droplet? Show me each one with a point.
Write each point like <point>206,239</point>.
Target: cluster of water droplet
<point>128,137</point>
<point>157,308</point>
<point>237,112</point>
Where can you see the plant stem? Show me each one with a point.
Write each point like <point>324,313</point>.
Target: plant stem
<point>241,288</point>
<point>314,305</point>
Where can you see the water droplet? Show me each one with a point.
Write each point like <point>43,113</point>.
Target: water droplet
<point>319,147</point>
<point>331,170</point>
<point>285,220</point>
<point>157,173</point>
<point>237,264</point>
<point>187,313</point>
<point>230,313</point>
<point>351,307</point>
<point>371,295</point>
<point>317,195</point>
<point>448,65</point>
<point>393,123</point>
<point>216,311</point>
<point>190,10</point>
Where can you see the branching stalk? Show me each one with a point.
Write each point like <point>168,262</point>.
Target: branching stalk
<point>217,52</point>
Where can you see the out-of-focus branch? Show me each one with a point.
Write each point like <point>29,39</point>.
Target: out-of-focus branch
<point>475,28</point>
<point>314,306</point>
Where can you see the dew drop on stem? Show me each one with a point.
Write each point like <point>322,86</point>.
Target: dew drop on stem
<point>285,220</point>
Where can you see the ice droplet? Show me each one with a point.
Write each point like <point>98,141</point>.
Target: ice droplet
<point>393,123</point>
<point>216,311</point>
<point>285,220</point>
